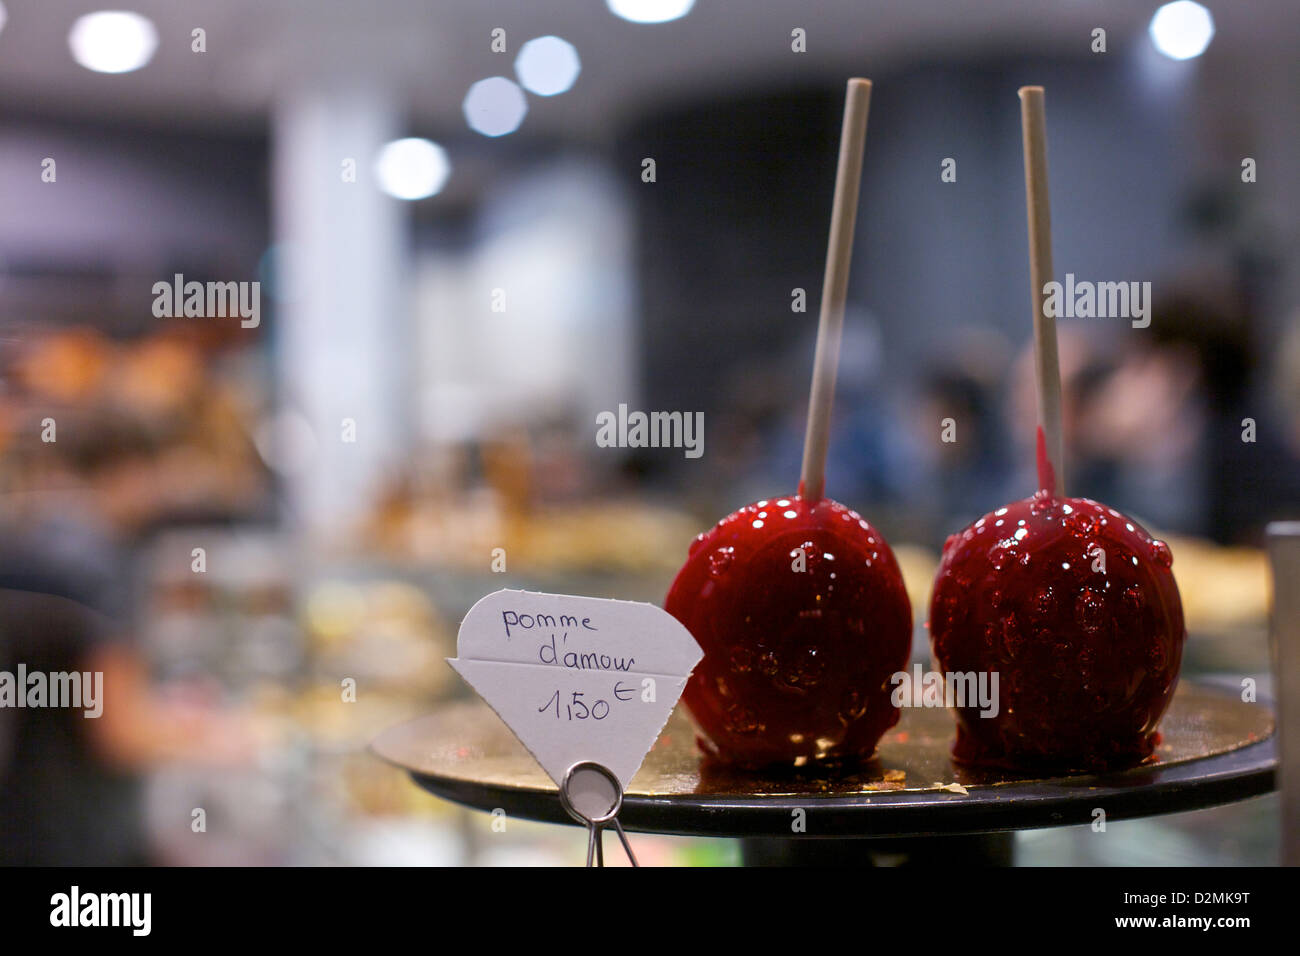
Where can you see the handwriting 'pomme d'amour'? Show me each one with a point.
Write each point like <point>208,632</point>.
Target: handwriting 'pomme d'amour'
<point>1076,607</point>
<point>802,614</point>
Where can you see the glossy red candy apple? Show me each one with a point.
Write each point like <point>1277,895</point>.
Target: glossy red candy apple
<point>1075,607</point>
<point>803,618</point>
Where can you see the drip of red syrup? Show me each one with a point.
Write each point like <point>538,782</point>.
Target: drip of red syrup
<point>1046,473</point>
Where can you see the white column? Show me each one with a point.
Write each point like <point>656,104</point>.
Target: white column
<point>340,335</point>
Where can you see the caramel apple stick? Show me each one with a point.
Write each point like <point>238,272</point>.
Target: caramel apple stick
<point>830,324</point>
<point>1047,369</point>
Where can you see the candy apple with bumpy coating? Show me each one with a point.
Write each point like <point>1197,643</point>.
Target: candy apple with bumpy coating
<point>1075,607</point>
<point>803,618</point>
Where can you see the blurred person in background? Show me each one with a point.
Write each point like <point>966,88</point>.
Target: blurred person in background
<point>70,785</point>
<point>959,459</point>
<point>1167,426</point>
<point>1286,397</point>
<point>1154,421</point>
<point>866,457</point>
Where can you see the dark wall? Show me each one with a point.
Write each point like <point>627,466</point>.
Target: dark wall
<point>741,208</point>
<point>736,219</point>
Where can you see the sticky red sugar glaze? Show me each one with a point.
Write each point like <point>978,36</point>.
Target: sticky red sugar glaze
<point>796,663</point>
<point>1087,659</point>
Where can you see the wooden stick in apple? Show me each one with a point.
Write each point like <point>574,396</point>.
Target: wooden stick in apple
<point>1047,369</point>
<point>830,325</point>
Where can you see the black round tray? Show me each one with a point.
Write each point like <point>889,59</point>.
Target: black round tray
<point>1215,749</point>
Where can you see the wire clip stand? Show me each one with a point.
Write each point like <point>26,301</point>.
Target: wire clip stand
<point>592,795</point>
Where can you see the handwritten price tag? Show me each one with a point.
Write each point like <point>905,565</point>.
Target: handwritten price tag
<point>576,678</point>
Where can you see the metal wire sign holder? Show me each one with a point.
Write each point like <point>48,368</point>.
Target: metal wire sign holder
<point>582,801</point>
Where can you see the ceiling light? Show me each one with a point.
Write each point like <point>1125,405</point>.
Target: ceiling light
<point>547,65</point>
<point>412,168</point>
<point>1182,30</point>
<point>495,106</point>
<point>650,11</point>
<point>113,41</point>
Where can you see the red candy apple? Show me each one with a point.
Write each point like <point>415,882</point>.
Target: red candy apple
<point>1075,607</point>
<point>803,618</point>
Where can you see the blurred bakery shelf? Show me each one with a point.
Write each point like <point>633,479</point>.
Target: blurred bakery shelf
<point>326,651</point>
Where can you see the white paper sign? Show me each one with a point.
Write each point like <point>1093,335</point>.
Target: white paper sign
<point>577,678</point>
